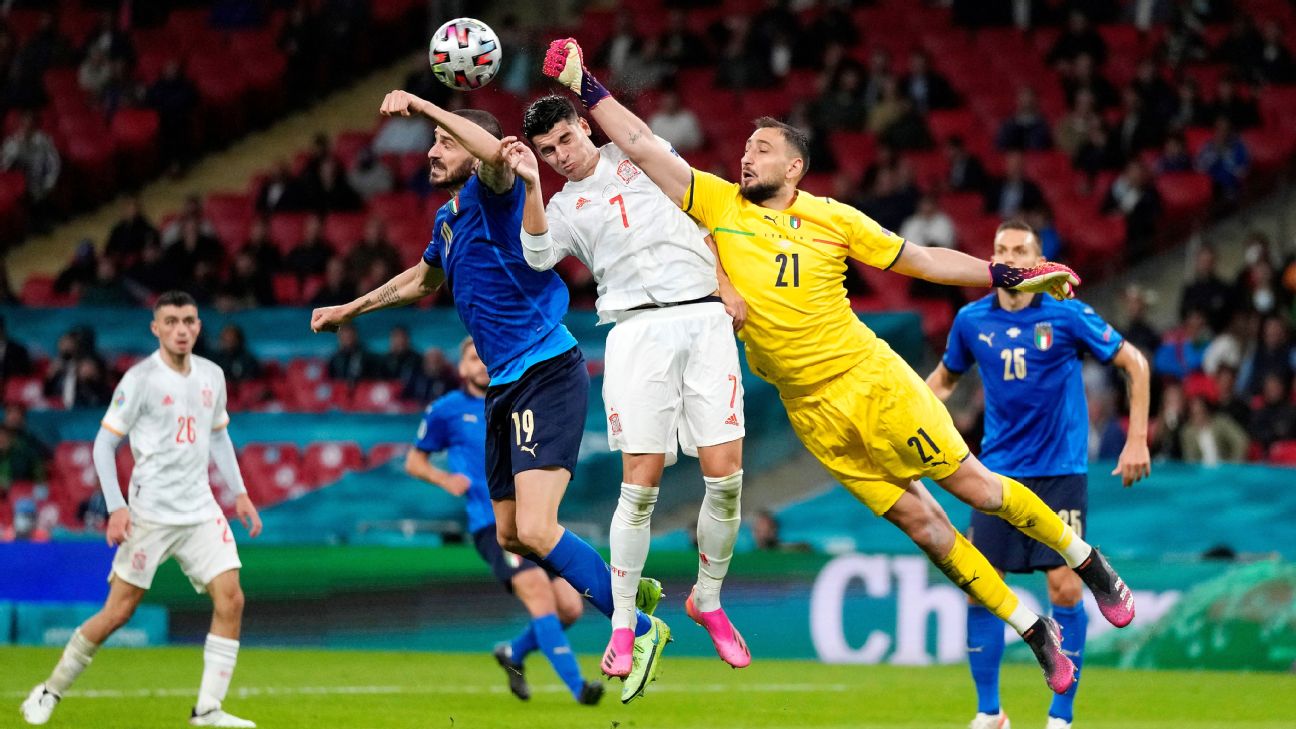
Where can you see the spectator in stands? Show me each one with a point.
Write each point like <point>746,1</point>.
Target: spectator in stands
<point>885,157</point>
<point>26,524</point>
<point>1027,128</point>
<point>928,226</point>
<point>1226,160</point>
<point>966,174</point>
<point>1233,346</point>
<point>891,200</point>
<point>624,53</point>
<point>374,246</point>
<point>927,89</point>
<point>301,41</point>
<point>887,105</point>
<point>435,378</point>
<point>95,72</point>
<point>150,274</point>
<point>311,255</point>
<point>744,61</point>
<point>92,512</point>
<point>269,259</point>
<point>1133,195</point>
<point>1138,331</point>
<point>1079,38</point>
<point>108,288</point>
<point>679,47</point>
<point>1207,292</point>
<point>248,286</point>
<point>1158,96</point>
<point>1106,437</point>
<point>403,135</point>
<point>1085,75</point>
<point>351,362</point>
<point>1230,401</point>
<point>77,375</point>
<point>1015,193</point>
<point>80,271</point>
<point>130,234</point>
<point>45,48</point>
<point>369,176</point>
<point>19,461</point>
<point>281,191</point>
<point>15,420</point>
<point>31,151</point>
<point>1189,109</point>
<point>1240,48</point>
<point>1073,128</point>
<point>15,361</point>
<point>1257,287</point>
<point>1171,421</point>
<point>1275,419</point>
<point>902,127</point>
<point>1210,437</point>
<point>1139,129</point>
<point>190,211</point>
<point>841,106</point>
<point>1183,348</point>
<point>205,287</point>
<point>1275,63</point>
<point>1273,356</point>
<point>400,362</point>
<point>1041,220</point>
<point>832,28</point>
<point>1186,39</point>
<point>766,533</point>
<point>1174,155</point>
<point>175,99</point>
<point>338,286</point>
<point>676,123</point>
<point>1242,111</point>
<point>192,247</point>
<point>233,357</point>
<point>1097,153</point>
<point>328,190</point>
<point>801,116</point>
<point>112,40</point>
<point>846,189</point>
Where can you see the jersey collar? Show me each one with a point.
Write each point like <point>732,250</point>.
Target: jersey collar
<point>1037,300</point>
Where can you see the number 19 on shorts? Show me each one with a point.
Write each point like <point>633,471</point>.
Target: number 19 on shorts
<point>524,425</point>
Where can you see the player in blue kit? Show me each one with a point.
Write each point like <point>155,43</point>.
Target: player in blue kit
<point>539,386</point>
<point>456,423</point>
<point>1030,350</point>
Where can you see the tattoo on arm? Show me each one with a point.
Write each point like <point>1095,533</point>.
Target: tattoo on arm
<point>635,137</point>
<point>388,295</point>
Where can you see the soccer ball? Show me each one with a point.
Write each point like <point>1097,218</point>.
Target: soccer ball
<point>465,54</point>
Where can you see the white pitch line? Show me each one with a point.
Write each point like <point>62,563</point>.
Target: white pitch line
<point>257,691</point>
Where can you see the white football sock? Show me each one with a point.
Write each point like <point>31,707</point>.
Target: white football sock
<point>629,538</point>
<point>1022,618</point>
<point>219,656</point>
<point>717,530</point>
<point>76,656</point>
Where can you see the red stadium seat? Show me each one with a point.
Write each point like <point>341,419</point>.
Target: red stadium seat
<point>378,397</point>
<point>1200,384</point>
<point>135,133</point>
<point>321,396</point>
<point>287,289</point>
<point>854,150</point>
<point>393,206</point>
<point>1185,195</point>
<point>28,391</point>
<point>264,455</point>
<point>39,291</point>
<point>326,462</point>
<point>1283,453</point>
<point>287,229</point>
<point>344,230</point>
<point>384,452</point>
<point>348,145</point>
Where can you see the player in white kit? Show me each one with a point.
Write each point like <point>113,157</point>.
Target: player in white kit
<point>671,365</point>
<point>172,405</point>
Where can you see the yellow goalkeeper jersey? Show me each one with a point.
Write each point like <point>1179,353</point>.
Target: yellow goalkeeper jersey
<point>790,266</point>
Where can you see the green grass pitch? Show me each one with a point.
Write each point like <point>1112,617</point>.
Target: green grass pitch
<point>146,688</point>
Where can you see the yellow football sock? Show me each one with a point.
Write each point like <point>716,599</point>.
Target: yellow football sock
<point>1025,510</point>
<point>971,571</point>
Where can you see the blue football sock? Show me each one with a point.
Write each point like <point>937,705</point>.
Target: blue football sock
<point>553,641</point>
<point>576,561</point>
<point>1074,623</point>
<point>525,643</point>
<point>985,642</point>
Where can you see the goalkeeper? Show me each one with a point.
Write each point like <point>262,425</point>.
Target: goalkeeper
<point>855,404</point>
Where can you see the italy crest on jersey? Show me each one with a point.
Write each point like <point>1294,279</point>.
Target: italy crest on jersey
<point>794,221</point>
<point>1043,336</point>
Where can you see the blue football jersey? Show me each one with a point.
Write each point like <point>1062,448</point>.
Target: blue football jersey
<point>1036,415</point>
<point>513,312</point>
<point>456,423</point>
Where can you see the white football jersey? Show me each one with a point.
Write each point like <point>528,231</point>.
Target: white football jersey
<point>169,418</point>
<point>641,248</point>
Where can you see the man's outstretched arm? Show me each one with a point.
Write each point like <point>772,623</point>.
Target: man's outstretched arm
<point>483,145</point>
<point>955,268</point>
<point>404,288</point>
<point>564,63</point>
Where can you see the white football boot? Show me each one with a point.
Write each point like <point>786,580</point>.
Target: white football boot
<point>1056,723</point>
<point>39,705</point>
<point>991,721</point>
<point>218,717</point>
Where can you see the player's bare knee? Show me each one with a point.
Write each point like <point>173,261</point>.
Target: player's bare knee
<point>538,538</point>
<point>569,610</point>
<point>1065,587</point>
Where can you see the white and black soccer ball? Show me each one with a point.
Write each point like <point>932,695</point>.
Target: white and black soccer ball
<point>465,54</point>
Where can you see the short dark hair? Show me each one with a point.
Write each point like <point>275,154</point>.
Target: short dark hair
<point>174,298</point>
<point>798,139</point>
<point>483,119</point>
<point>1023,226</point>
<point>545,112</point>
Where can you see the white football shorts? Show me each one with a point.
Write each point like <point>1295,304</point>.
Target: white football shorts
<point>204,551</point>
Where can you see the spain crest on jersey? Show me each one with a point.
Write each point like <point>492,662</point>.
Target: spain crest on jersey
<point>1043,336</point>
